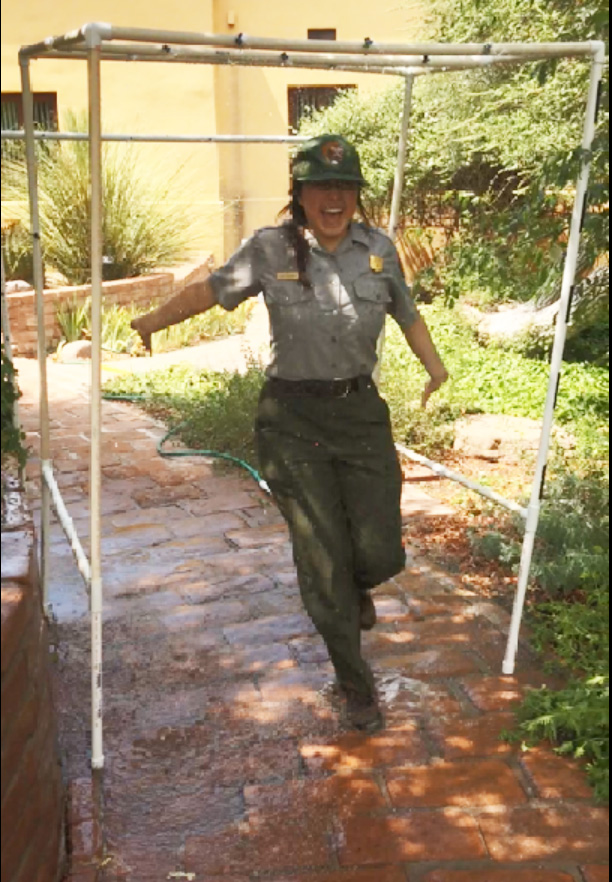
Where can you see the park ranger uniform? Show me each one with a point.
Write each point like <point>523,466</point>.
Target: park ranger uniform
<point>323,431</point>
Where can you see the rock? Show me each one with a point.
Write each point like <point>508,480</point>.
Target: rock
<point>15,512</point>
<point>512,321</point>
<point>17,287</point>
<point>493,438</point>
<point>80,350</point>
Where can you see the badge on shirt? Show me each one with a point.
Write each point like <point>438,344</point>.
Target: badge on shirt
<point>288,277</point>
<point>377,264</point>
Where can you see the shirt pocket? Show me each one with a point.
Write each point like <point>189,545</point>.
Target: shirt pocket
<point>287,294</point>
<point>372,291</point>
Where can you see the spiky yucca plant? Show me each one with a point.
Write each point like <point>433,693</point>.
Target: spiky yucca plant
<point>143,226</point>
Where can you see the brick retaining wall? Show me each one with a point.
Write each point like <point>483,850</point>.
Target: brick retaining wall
<point>33,805</point>
<point>142,291</point>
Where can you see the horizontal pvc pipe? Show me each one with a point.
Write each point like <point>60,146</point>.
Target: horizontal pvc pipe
<point>100,33</point>
<point>324,61</point>
<point>367,47</point>
<point>160,139</point>
<point>443,472</point>
<point>66,522</point>
<point>286,59</point>
<point>136,54</point>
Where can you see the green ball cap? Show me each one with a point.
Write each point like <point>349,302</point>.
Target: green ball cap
<point>329,158</point>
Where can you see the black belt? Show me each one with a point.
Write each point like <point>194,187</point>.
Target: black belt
<point>320,388</point>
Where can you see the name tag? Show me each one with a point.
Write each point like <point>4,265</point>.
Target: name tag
<point>377,264</point>
<point>288,277</point>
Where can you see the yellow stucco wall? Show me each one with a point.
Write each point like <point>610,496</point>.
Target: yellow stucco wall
<point>229,190</point>
<point>255,100</point>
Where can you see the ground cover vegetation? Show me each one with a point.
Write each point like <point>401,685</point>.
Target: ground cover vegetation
<point>486,207</point>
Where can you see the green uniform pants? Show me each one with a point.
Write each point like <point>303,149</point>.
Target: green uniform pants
<point>333,469</point>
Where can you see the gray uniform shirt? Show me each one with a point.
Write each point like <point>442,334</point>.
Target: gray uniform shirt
<point>329,331</point>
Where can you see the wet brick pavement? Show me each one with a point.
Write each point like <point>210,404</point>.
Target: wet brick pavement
<point>225,761</point>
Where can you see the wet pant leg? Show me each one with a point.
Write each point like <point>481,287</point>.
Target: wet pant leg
<point>371,481</point>
<point>303,477</point>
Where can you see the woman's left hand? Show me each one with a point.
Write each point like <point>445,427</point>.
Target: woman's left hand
<point>436,382</point>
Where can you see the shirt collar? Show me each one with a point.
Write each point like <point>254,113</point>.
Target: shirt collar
<point>357,234</point>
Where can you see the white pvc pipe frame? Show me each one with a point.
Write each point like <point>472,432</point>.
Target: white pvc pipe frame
<point>93,43</point>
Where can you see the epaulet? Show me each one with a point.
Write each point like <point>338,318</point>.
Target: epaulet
<point>376,239</point>
<point>271,234</point>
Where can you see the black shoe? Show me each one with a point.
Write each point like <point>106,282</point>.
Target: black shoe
<point>368,616</point>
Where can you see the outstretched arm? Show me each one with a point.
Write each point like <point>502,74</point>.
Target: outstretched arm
<point>419,340</point>
<point>193,300</point>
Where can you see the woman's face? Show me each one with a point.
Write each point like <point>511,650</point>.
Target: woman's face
<point>330,207</point>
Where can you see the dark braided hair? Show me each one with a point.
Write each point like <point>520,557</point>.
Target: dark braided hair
<point>296,224</point>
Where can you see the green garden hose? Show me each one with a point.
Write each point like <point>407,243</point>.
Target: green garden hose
<point>209,454</point>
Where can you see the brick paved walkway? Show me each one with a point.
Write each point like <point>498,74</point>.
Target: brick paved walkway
<point>225,760</point>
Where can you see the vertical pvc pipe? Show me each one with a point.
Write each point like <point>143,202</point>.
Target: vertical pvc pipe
<point>569,280</point>
<point>39,286</point>
<point>398,190</point>
<point>400,171</point>
<point>95,148</point>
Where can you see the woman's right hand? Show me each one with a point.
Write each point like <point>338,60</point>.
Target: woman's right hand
<point>137,325</point>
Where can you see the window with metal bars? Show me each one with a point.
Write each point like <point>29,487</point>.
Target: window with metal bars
<point>322,34</point>
<point>45,118</point>
<point>304,99</point>
<point>45,111</point>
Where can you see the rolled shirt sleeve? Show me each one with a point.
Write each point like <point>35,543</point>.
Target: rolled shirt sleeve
<point>241,277</point>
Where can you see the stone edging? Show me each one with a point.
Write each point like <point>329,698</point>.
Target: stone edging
<point>141,291</point>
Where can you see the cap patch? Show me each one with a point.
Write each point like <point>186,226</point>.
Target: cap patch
<point>333,153</point>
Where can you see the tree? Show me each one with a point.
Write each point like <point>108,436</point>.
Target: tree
<point>494,155</point>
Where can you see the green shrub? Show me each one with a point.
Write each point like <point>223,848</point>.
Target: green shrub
<point>17,250</point>
<point>575,518</point>
<point>117,335</point>
<point>74,319</point>
<point>570,620</point>
<point>143,228</point>
<point>12,437</point>
<point>577,720</point>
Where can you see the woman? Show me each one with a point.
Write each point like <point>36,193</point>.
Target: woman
<point>323,431</point>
